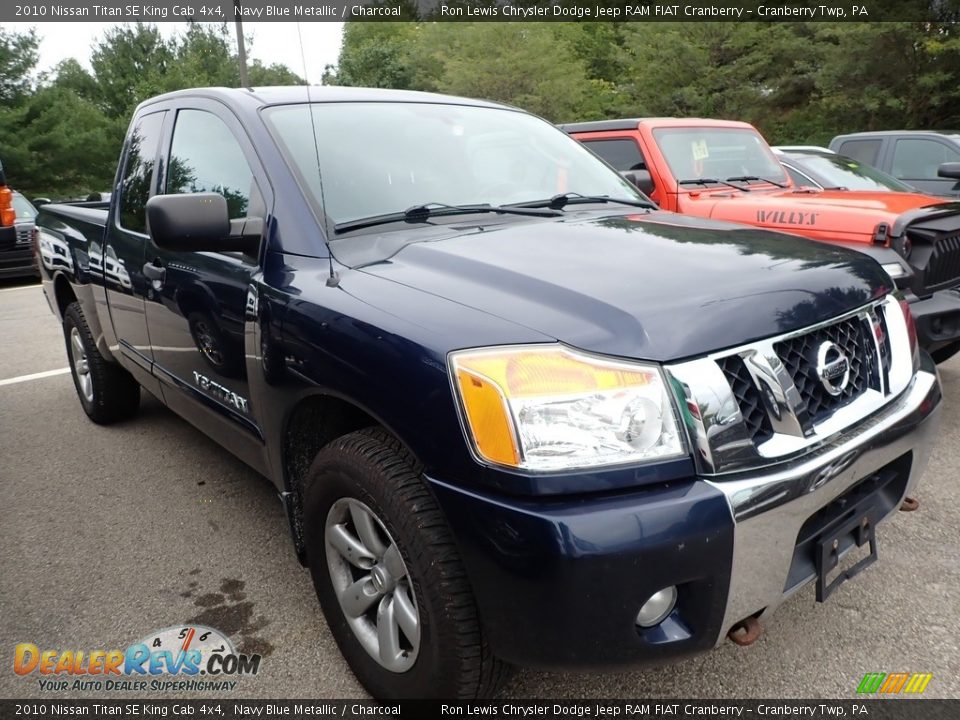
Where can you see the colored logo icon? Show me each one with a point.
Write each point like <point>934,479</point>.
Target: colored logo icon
<point>893,683</point>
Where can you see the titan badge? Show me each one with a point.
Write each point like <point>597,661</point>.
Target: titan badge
<point>224,394</point>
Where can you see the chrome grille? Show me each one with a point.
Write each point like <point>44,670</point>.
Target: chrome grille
<point>785,410</point>
<point>799,356</point>
<point>748,398</point>
<point>23,234</point>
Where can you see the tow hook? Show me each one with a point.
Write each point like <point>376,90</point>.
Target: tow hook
<point>746,632</point>
<point>909,504</point>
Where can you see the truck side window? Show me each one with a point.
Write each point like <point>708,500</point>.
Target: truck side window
<point>865,151</point>
<point>206,157</point>
<point>918,159</point>
<point>137,175</point>
<point>623,154</point>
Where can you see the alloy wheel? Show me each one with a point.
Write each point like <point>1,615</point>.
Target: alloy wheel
<point>372,584</point>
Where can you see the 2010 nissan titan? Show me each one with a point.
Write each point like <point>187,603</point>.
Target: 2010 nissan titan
<point>516,414</point>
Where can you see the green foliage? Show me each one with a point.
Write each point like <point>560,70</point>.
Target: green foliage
<point>379,56</point>
<point>129,64</point>
<point>62,132</point>
<point>798,82</point>
<point>532,67</point>
<point>59,144</point>
<point>18,57</point>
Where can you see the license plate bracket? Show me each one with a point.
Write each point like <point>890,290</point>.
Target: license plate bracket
<point>831,545</point>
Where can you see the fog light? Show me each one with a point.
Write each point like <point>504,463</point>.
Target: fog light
<point>655,610</point>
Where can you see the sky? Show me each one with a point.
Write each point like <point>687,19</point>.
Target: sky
<point>273,42</point>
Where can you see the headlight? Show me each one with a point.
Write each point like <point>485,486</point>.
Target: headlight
<point>894,270</point>
<point>552,408</point>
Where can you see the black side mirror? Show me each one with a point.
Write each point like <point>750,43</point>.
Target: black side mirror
<point>200,221</point>
<point>949,170</point>
<point>40,202</point>
<point>640,178</point>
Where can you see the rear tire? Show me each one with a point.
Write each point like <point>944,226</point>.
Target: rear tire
<point>107,392</point>
<point>369,475</point>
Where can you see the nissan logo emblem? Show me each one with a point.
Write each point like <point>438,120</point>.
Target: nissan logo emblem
<point>833,367</point>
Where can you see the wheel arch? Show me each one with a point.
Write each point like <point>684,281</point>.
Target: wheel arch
<point>63,293</point>
<point>312,423</point>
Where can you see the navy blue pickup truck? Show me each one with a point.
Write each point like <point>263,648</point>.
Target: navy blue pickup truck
<point>515,413</point>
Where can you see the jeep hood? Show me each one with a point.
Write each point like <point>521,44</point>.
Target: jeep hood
<point>850,215</point>
<point>655,286</point>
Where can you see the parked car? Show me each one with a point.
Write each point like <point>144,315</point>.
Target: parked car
<point>927,160</point>
<point>724,170</point>
<point>802,148</point>
<point>16,233</point>
<point>826,170</point>
<point>515,413</point>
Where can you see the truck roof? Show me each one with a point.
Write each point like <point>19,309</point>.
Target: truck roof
<point>634,123</point>
<point>283,95</point>
<point>883,133</point>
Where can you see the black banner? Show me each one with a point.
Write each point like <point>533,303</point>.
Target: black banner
<point>156,11</point>
<point>893,709</point>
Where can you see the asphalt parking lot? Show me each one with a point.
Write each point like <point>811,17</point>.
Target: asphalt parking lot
<point>109,533</point>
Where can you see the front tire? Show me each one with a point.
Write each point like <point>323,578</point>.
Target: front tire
<point>389,576</point>
<point>107,392</point>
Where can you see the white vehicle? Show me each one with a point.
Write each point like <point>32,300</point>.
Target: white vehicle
<point>54,253</point>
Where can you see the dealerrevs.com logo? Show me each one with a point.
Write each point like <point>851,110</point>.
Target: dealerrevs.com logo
<point>181,658</point>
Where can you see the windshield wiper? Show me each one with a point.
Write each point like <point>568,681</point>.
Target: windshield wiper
<point>421,213</point>
<point>558,202</point>
<point>748,178</point>
<point>713,181</point>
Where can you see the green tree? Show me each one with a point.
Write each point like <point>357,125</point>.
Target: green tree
<point>60,144</point>
<point>18,59</point>
<point>376,54</point>
<point>70,74</point>
<point>532,66</point>
<point>274,74</point>
<point>203,57</point>
<point>130,64</point>
<point>890,75</point>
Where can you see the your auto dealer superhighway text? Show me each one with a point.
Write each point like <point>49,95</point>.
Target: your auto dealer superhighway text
<point>627,709</point>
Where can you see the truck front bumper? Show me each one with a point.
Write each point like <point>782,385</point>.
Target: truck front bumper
<point>16,258</point>
<point>937,318</point>
<point>559,582</point>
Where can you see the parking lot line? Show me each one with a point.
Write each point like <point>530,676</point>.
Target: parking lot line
<point>15,289</point>
<point>34,376</point>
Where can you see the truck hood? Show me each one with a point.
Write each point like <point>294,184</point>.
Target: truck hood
<point>841,214</point>
<point>655,286</point>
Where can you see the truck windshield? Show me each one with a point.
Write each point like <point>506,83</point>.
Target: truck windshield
<point>840,171</point>
<point>382,158</point>
<point>23,208</point>
<point>721,153</point>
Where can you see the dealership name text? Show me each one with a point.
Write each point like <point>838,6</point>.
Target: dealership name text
<point>638,11</point>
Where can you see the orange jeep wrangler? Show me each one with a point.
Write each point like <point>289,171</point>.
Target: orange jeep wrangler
<point>726,171</point>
